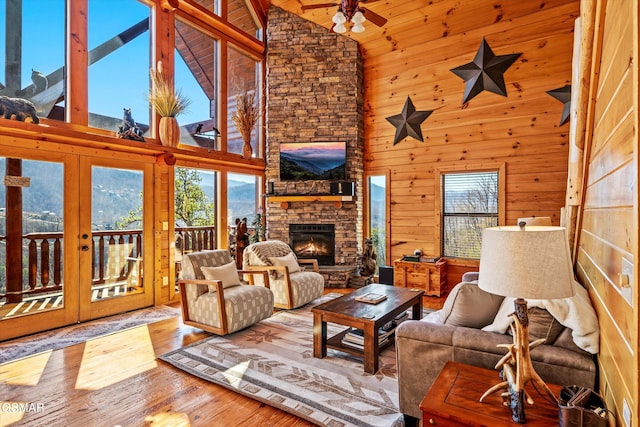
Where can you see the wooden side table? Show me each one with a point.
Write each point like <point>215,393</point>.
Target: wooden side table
<point>454,400</point>
<point>429,276</point>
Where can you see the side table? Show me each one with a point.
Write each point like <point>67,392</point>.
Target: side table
<point>454,400</point>
<point>428,276</point>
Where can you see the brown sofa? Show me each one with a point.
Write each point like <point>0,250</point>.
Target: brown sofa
<point>424,347</point>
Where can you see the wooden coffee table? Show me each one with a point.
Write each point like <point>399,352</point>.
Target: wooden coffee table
<point>346,311</point>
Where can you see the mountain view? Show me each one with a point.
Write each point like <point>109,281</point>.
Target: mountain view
<point>312,161</point>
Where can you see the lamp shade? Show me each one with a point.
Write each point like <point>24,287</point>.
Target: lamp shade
<point>531,262</point>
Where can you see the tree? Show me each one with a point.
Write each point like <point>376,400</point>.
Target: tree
<point>192,206</point>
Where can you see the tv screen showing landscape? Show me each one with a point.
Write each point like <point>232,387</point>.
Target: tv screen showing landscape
<point>305,161</point>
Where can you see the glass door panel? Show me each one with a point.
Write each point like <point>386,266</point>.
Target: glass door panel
<point>112,239</point>
<point>34,255</point>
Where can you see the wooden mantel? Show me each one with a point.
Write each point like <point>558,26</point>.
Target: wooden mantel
<point>286,199</point>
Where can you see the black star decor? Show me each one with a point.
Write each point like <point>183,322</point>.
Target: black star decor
<point>485,72</point>
<point>563,94</point>
<point>408,122</point>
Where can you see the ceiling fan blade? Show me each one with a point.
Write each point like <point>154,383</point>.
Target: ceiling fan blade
<point>373,17</point>
<point>318,6</point>
<point>368,1</point>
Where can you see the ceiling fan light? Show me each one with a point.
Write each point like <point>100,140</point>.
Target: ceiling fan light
<point>358,18</point>
<point>357,28</point>
<point>340,28</point>
<point>339,18</point>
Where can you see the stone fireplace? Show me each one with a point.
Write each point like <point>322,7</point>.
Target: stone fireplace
<point>314,93</point>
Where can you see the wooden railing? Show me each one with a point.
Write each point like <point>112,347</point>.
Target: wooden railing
<point>116,256</point>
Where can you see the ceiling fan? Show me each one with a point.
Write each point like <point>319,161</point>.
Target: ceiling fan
<point>350,11</point>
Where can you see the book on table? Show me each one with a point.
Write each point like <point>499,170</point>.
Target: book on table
<point>355,338</point>
<point>371,298</point>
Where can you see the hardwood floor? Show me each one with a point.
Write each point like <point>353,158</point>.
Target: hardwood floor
<point>116,380</point>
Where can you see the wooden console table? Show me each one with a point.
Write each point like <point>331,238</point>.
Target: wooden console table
<point>429,276</point>
<point>454,400</point>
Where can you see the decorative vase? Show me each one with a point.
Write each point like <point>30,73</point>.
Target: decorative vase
<point>169,131</point>
<point>247,150</point>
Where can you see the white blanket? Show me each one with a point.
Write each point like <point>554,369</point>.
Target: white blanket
<point>575,312</point>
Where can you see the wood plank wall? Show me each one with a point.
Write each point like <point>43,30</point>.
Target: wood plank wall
<point>609,223</point>
<point>412,55</point>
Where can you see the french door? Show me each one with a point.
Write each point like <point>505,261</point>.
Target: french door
<point>73,239</point>
<point>113,245</point>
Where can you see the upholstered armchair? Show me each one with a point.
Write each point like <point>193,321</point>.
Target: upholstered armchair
<point>292,286</point>
<point>213,297</point>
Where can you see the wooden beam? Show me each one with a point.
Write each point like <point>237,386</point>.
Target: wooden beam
<point>14,232</point>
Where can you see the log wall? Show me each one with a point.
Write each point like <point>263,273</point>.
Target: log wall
<point>608,226</point>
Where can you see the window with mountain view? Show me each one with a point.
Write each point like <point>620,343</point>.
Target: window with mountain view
<point>469,204</point>
<point>32,54</point>
<point>377,193</point>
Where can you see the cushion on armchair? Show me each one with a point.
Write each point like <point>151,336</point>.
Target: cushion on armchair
<point>288,260</point>
<point>227,274</point>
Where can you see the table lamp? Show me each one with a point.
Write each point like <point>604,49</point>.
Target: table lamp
<point>524,262</point>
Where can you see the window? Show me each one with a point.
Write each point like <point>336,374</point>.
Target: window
<point>244,75</point>
<point>196,71</point>
<point>32,54</point>
<point>470,202</point>
<point>119,62</point>
<point>377,203</point>
<point>242,197</point>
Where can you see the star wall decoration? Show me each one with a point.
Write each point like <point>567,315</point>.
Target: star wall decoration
<point>408,122</point>
<point>563,94</point>
<point>485,72</point>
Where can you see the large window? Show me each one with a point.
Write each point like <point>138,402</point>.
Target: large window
<point>470,202</point>
<point>119,62</point>
<point>196,71</point>
<point>32,53</point>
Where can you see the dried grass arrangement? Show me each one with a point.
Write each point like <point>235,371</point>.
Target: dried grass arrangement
<point>245,118</point>
<point>166,101</point>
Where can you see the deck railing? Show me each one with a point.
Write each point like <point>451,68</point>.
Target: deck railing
<point>116,256</point>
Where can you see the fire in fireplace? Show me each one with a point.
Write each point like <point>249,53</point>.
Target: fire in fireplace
<point>314,241</point>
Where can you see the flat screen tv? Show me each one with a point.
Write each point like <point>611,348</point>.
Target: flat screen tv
<point>306,161</point>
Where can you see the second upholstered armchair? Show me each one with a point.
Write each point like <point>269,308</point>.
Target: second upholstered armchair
<point>292,286</point>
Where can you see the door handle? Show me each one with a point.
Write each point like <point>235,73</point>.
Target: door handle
<point>85,248</point>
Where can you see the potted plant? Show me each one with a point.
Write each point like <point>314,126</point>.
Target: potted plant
<point>168,104</point>
<point>245,118</point>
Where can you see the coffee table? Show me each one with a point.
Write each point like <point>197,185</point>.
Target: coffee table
<point>346,311</point>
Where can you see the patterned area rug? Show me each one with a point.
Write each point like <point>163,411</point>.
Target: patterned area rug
<point>273,362</point>
<point>70,335</point>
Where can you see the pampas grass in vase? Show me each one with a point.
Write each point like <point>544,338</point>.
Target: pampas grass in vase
<point>245,118</point>
<point>168,103</point>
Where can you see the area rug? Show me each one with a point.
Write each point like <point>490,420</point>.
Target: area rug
<point>272,362</point>
<point>70,335</point>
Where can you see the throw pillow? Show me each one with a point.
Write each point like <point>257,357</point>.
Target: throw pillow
<point>468,305</point>
<point>542,325</point>
<point>227,273</point>
<point>288,260</point>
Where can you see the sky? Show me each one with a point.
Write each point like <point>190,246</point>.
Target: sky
<point>120,80</point>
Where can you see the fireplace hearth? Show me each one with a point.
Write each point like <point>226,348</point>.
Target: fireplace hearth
<point>314,241</point>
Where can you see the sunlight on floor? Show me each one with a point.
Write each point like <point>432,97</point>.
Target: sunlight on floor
<point>168,419</point>
<point>103,366</point>
<point>26,371</point>
<point>234,375</point>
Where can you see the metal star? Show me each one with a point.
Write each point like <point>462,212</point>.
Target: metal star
<point>485,72</point>
<point>563,94</point>
<point>408,122</point>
